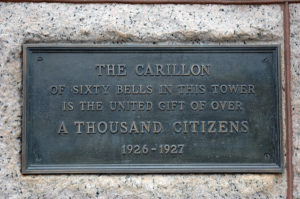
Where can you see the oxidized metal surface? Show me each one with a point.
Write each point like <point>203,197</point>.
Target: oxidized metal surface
<point>93,109</point>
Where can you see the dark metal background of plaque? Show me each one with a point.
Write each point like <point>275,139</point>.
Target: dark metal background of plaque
<point>245,139</point>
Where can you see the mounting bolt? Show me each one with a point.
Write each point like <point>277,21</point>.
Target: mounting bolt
<point>39,59</point>
<point>267,156</point>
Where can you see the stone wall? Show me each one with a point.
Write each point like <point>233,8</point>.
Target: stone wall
<point>295,69</point>
<point>120,23</point>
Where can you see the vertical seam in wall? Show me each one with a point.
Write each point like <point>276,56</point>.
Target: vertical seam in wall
<point>288,109</point>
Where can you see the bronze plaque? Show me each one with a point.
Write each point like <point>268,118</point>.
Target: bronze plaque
<point>158,109</point>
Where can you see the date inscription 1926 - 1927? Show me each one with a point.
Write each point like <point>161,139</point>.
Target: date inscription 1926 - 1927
<point>134,109</point>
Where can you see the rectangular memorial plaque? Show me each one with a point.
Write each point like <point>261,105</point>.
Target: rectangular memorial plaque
<point>133,109</point>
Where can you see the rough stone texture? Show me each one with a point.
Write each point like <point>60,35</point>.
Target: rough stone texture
<point>295,64</point>
<point>102,23</point>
